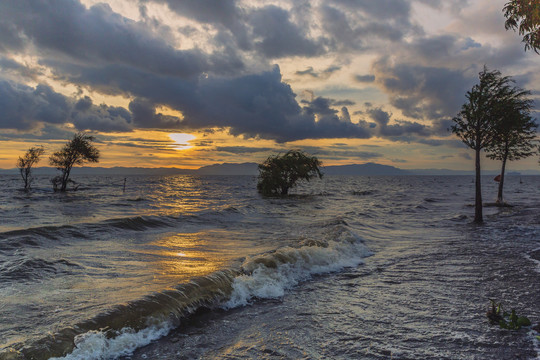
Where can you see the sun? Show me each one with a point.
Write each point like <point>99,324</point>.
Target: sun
<point>182,141</point>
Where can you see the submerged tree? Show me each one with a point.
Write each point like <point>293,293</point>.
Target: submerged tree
<point>279,173</point>
<point>524,16</point>
<point>76,152</point>
<point>26,163</point>
<point>515,132</point>
<point>475,123</point>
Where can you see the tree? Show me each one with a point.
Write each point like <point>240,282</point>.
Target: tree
<point>476,121</point>
<point>515,132</point>
<point>279,173</point>
<point>26,163</point>
<point>76,152</point>
<point>524,16</point>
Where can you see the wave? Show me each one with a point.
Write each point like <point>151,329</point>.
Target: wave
<point>14,239</point>
<point>270,275</point>
<point>121,330</point>
<point>32,269</point>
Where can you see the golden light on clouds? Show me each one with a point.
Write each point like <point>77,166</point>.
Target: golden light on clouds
<point>182,141</point>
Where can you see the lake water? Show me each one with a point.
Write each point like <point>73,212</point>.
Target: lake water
<point>187,267</point>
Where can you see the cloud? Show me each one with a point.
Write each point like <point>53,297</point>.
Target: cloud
<point>365,78</point>
<point>26,108</point>
<point>242,149</point>
<point>97,36</point>
<point>324,74</point>
<point>339,154</point>
<point>87,116</point>
<point>255,105</point>
<point>399,128</point>
<point>465,156</point>
<point>279,36</point>
<point>309,71</point>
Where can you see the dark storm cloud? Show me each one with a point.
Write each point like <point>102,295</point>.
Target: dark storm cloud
<point>98,36</point>
<point>279,36</point>
<point>99,49</point>
<point>25,108</point>
<point>423,92</point>
<point>257,105</point>
<point>354,25</point>
<point>86,116</point>
<point>145,116</point>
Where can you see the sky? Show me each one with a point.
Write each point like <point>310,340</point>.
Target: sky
<point>188,83</point>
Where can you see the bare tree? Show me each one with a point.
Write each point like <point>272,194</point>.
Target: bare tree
<point>76,152</point>
<point>26,163</point>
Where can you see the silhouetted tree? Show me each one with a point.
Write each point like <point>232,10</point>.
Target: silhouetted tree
<point>26,163</point>
<point>524,16</point>
<point>515,132</point>
<point>76,152</point>
<point>475,123</point>
<point>279,173</point>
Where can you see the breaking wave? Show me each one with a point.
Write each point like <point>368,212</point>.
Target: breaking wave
<point>124,328</point>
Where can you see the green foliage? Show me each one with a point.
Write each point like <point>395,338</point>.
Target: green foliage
<point>505,320</point>
<point>76,152</point>
<point>524,16</point>
<point>514,130</point>
<point>26,163</point>
<point>279,173</point>
<point>475,123</point>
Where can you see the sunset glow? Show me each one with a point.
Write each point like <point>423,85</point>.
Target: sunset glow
<point>182,141</point>
<point>165,84</point>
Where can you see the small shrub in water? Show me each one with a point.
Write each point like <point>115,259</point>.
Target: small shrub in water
<point>510,321</point>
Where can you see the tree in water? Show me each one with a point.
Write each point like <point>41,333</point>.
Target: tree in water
<point>524,16</point>
<point>76,152</point>
<point>476,121</point>
<point>26,163</point>
<point>515,132</point>
<point>279,173</point>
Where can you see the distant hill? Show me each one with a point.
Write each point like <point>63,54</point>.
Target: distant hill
<point>367,169</point>
<point>229,169</point>
<point>364,169</point>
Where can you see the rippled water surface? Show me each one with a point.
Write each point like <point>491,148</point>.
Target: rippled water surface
<point>203,267</point>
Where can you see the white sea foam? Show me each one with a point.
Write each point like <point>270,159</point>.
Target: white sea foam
<point>95,345</point>
<point>270,275</point>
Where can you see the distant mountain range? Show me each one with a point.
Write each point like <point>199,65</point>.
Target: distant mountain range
<point>368,169</point>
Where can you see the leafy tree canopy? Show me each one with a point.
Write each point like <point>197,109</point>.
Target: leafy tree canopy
<point>524,16</point>
<point>279,173</point>
<point>76,152</point>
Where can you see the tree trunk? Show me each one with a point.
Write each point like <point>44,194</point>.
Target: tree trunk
<point>478,218</point>
<point>65,178</point>
<point>501,183</point>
